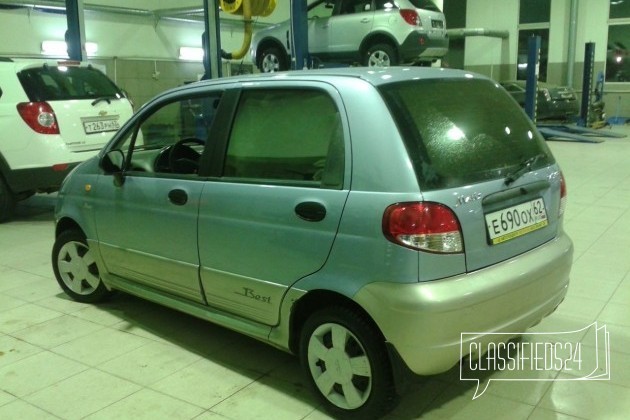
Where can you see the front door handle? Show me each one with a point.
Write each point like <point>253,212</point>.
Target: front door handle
<point>178,197</point>
<point>311,211</point>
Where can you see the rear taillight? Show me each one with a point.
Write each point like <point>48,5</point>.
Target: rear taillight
<point>410,16</point>
<point>39,116</point>
<point>429,227</point>
<point>563,195</point>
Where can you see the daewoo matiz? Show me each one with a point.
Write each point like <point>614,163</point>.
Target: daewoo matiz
<point>361,219</point>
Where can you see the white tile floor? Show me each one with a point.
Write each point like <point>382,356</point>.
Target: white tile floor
<point>129,359</point>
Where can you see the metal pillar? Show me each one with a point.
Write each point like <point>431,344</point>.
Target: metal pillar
<point>587,83</point>
<point>211,40</point>
<point>299,34</point>
<point>75,35</point>
<point>531,84</point>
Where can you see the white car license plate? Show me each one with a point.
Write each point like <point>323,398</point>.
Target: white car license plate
<point>516,221</point>
<point>99,126</point>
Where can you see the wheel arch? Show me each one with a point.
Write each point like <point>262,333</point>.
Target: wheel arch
<point>314,301</point>
<point>379,38</point>
<point>66,223</point>
<point>268,42</point>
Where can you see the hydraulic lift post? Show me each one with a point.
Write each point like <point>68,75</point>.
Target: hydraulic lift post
<point>299,34</point>
<point>211,40</point>
<point>75,34</point>
<point>531,84</point>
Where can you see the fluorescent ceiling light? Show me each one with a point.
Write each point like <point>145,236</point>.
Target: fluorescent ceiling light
<point>60,48</point>
<point>191,53</point>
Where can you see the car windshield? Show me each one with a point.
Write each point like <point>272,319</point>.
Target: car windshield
<point>51,83</point>
<point>460,132</point>
<point>425,4</point>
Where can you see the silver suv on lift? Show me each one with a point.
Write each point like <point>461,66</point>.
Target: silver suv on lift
<point>368,32</point>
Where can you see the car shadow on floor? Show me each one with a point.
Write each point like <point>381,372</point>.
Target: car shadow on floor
<point>256,360</point>
<point>39,207</point>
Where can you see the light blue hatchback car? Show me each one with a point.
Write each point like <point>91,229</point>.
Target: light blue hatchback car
<point>362,219</point>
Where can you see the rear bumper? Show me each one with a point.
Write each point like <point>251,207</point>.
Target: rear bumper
<point>424,321</point>
<point>419,46</point>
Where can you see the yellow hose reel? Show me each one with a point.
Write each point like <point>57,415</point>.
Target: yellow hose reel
<point>258,7</point>
<point>247,8</point>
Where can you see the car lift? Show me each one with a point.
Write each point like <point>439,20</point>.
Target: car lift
<point>564,132</point>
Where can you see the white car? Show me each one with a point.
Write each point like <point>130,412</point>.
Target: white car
<point>53,115</point>
<point>369,32</point>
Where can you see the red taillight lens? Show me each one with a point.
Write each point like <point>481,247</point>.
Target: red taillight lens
<point>563,194</point>
<point>39,116</point>
<point>424,226</point>
<point>410,16</point>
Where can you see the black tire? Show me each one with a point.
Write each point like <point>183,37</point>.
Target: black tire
<point>7,201</point>
<point>272,60</point>
<point>75,268</point>
<point>360,383</point>
<point>380,55</point>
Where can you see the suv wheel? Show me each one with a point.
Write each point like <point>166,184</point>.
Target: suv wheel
<point>75,268</point>
<point>272,60</point>
<point>380,55</point>
<point>347,364</point>
<point>7,201</point>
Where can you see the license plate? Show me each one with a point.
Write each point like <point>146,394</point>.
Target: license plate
<point>516,221</point>
<point>437,24</point>
<point>100,126</point>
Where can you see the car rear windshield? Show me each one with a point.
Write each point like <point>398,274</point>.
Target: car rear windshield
<point>425,4</point>
<point>463,131</point>
<point>51,83</point>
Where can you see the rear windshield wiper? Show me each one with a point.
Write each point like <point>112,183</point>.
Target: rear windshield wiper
<point>523,168</point>
<point>108,99</point>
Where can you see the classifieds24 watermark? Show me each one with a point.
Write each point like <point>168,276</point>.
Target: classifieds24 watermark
<point>583,354</point>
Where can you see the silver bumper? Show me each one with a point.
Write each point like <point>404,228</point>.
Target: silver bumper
<point>424,321</point>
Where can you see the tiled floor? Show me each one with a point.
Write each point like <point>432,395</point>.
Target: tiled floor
<point>129,359</point>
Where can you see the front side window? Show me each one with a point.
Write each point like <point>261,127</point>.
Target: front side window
<point>171,139</point>
<point>286,136</point>
<point>460,132</point>
<point>320,9</point>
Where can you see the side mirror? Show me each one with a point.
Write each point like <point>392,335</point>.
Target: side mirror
<point>112,163</point>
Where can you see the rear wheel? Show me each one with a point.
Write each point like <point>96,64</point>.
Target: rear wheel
<point>7,201</point>
<point>272,60</point>
<point>347,364</point>
<point>75,268</point>
<point>380,55</point>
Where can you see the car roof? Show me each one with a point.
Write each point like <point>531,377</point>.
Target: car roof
<point>374,76</point>
<point>22,63</point>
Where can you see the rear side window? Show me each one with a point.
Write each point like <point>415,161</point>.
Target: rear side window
<point>461,132</point>
<point>287,136</point>
<point>425,4</point>
<point>51,83</point>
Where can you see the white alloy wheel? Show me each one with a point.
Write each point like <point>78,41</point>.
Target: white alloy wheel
<point>339,366</point>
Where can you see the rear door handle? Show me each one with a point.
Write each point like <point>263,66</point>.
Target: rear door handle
<point>365,20</point>
<point>178,197</point>
<point>311,211</point>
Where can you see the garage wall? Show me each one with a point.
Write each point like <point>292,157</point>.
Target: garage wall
<point>141,55</point>
<point>497,59</point>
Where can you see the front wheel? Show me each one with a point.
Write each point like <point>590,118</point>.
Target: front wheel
<point>347,364</point>
<point>75,268</point>
<point>380,55</point>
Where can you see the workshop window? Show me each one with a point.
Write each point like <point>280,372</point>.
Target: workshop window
<point>618,55</point>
